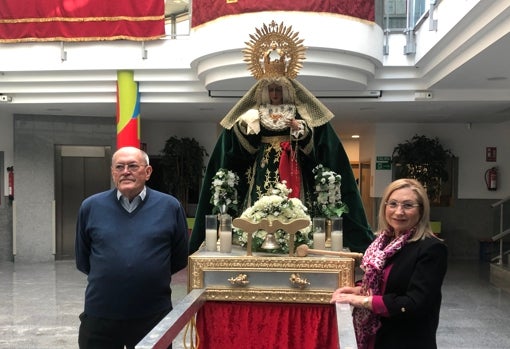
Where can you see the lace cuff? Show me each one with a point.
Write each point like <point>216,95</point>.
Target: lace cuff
<point>251,121</point>
<point>299,132</point>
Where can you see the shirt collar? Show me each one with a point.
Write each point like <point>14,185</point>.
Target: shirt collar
<point>142,194</point>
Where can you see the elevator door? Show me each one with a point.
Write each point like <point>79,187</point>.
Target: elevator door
<point>80,172</point>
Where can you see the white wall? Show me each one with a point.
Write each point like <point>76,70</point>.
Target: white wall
<point>6,145</point>
<point>467,142</point>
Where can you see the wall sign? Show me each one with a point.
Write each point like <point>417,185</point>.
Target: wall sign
<point>490,154</point>
<point>383,163</point>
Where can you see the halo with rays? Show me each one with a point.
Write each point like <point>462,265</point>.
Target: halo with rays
<point>274,40</point>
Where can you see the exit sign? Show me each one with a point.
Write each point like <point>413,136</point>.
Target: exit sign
<point>382,166</point>
<point>383,163</point>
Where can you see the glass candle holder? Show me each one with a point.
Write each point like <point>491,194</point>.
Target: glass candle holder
<point>211,232</point>
<point>225,233</point>
<point>337,236</point>
<point>319,233</point>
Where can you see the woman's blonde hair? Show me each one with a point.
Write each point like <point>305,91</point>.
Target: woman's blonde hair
<point>423,227</point>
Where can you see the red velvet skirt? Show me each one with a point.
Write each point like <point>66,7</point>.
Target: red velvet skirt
<point>235,325</point>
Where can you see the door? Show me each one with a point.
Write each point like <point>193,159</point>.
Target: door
<point>80,171</point>
<point>364,187</point>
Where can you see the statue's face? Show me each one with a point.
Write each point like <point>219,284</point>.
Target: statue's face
<point>275,94</point>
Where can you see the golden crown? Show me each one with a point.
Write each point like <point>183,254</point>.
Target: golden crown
<point>274,51</point>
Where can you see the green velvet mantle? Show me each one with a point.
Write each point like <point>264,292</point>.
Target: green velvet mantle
<point>327,150</point>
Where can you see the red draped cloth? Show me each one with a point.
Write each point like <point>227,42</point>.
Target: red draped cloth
<point>81,20</point>
<point>207,10</point>
<point>234,325</point>
<point>289,169</point>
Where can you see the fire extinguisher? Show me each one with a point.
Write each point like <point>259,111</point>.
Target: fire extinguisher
<point>11,182</point>
<point>491,178</point>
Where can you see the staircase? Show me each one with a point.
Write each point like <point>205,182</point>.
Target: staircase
<point>500,265</point>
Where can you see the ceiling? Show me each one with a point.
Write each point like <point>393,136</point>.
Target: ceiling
<point>472,90</point>
<point>176,7</point>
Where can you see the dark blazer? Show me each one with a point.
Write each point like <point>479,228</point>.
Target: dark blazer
<point>413,296</point>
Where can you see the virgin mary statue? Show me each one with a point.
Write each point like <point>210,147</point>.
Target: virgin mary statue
<point>278,131</point>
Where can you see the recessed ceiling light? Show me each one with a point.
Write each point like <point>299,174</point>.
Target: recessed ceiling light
<point>497,78</point>
<point>355,136</point>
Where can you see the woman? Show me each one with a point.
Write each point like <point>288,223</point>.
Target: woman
<point>397,303</point>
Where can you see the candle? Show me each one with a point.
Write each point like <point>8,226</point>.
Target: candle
<point>226,241</point>
<point>319,241</point>
<point>211,239</point>
<point>211,232</point>
<point>337,236</point>
<point>337,240</point>
<point>319,233</point>
<point>225,233</point>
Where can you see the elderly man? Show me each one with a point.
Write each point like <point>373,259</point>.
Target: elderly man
<point>129,242</point>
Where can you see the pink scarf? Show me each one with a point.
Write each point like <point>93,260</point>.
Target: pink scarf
<point>366,323</point>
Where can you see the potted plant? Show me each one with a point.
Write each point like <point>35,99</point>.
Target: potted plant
<point>424,159</point>
<point>182,163</point>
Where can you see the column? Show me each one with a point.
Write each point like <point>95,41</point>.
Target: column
<point>128,110</point>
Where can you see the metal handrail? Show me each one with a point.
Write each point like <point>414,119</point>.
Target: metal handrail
<point>501,233</point>
<point>498,258</point>
<point>162,336</point>
<point>346,334</point>
<point>500,202</point>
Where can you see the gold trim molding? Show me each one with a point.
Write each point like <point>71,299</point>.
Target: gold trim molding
<point>342,269</point>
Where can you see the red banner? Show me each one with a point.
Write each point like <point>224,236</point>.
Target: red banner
<point>81,20</point>
<point>207,10</point>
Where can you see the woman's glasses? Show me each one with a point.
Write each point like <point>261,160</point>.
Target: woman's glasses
<point>406,205</point>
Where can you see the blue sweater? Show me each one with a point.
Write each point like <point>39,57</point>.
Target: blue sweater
<point>130,257</point>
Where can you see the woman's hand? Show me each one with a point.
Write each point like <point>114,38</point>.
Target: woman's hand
<point>342,293</point>
<point>347,289</point>
<point>351,296</point>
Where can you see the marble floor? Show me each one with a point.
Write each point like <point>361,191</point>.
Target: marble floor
<point>40,303</point>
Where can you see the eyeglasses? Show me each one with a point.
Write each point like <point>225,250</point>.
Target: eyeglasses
<point>133,167</point>
<point>406,206</point>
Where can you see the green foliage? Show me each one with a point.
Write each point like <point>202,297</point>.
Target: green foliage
<point>423,159</point>
<point>183,165</point>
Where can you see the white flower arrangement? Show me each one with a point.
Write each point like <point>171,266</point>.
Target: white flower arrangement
<point>224,192</point>
<point>328,195</point>
<point>276,205</point>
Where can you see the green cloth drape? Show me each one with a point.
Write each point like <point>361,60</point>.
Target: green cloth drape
<point>327,150</point>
